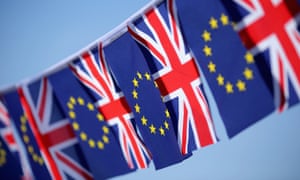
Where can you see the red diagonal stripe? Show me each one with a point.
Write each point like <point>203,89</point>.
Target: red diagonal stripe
<point>116,109</point>
<point>73,166</point>
<point>43,96</point>
<point>39,139</point>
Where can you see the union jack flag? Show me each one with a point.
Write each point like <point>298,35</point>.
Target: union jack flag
<point>93,72</point>
<point>176,73</point>
<point>8,135</point>
<point>6,130</point>
<point>271,26</point>
<point>54,134</point>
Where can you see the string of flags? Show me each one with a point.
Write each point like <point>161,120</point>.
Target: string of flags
<point>138,96</point>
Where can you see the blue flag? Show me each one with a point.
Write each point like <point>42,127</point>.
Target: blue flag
<point>277,44</point>
<point>96,138</point>
<point>150,113</point>
<point>37,163</point>
<point>10,168</point>
<point>177,75</point>
<point>231,72</point>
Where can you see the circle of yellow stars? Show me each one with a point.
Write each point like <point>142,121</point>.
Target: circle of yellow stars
<point>93,143</point>
<point>247,74</point>
<point>2,155</point>
<point>23,127</point>
<point>160,129</point>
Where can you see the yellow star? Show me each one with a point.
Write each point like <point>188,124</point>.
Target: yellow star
<point>2,159</point>
<point>83,136</point>
<point>144,120</point>
<point>137,108</point>
<point>166,124</point>
<point>152,129</point>
<point>207,51</point>
<point>72,114</point>
<point>248,73</point>
<point>249,58</point>
<point>224,19</point>
<point>229,87</point>
<point>213,23</point>
<point>80,101</point>
<point>206,36</point>
<point>23,119</point>
<point>167,113</point>
<point>100,145</point>
<point>135,82</point>
<point>3,152</point>
<point>26,138</point>
<point>162,131</point>
<point>139,75</point>
<point>30,149</point>
<point>220,80</point>
<point>241,85</point>
<point>212,67</point>
<point>105,139</point>
<point>105,129</point>
<point>23,128</point>
<point>72,100</point>
<point>41,161</point>
<point>35,157</point>
<point>135,94</point>
<point>75,126</point>
<point>70,105</point>
<point>147,76</point>
<point>100,117</point>
<point>91,143</point>
<point>90,106</point>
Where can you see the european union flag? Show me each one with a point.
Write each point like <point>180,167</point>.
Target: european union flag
<point>98,143</point>
<point>33,152</point>
<point>231,72</point>
<point>275,43</point>
<point>150,114</point>
<point>9,166</point>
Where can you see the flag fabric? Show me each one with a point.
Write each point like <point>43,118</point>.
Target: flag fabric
<point>177,74</point>
<point>10,168</point>
<point>6,130</point>
<point>150,113</point>
<point>231,72</point>
<point>53,132</point>
<point>28,142</point>
<point>271,29</point>
<point>10,137</point>
<point>98,141</point>
<point>92,71</point>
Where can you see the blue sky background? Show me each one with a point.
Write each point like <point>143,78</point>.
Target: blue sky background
<point>35,35</point>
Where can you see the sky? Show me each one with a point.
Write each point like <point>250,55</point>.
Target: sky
<point>35,35</point>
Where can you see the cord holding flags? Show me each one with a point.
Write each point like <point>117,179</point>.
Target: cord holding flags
<point>145,92</point>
